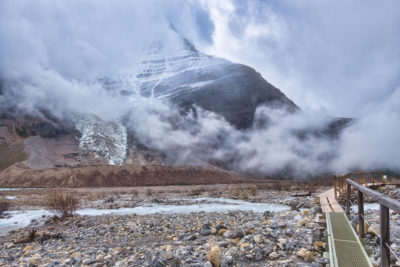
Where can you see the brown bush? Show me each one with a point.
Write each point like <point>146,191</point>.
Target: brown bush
<point>197,191</point>
<point>234,193</point>
<point>4,206</point>
<point>63,204</point>
<point>149,192</point>
<point>135,192</point>
<point>253,190</point>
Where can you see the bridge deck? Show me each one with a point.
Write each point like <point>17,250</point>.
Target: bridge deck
<point>345,248</point>
<point>328,202</point>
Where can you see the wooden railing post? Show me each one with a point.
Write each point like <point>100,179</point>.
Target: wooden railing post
<point>385,236</point>
<point>360,214</point>
<point>334,186</point>
<point>348,199</point>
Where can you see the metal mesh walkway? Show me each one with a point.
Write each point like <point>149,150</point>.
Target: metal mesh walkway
<point>345,249</point>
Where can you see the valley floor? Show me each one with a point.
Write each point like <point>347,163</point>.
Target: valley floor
<point>265,228</point>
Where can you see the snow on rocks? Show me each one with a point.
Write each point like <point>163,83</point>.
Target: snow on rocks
<point>106,139</point>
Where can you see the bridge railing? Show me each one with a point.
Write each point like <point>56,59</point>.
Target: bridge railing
<point>363,178</point>
<point>385,203</point>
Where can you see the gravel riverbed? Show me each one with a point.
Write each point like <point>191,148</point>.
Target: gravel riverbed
<point>288,237</point>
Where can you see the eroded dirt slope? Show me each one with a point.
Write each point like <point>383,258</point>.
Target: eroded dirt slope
<point>128,175</point>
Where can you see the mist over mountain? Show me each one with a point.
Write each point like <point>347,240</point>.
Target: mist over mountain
<point>180,107</point>
<point>122,88</point>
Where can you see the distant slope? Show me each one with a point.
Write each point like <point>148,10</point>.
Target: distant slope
<point>104,176</point>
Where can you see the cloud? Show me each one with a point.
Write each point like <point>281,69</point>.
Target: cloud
<point>339,56</point>
<point>54,52</point>
<point>373,142</point>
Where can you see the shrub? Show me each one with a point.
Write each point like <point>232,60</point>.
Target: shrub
<point>234,193</point>
<point>4,206</point>
<point>197,191</point>
<point>253,190</point>
<point>134,192</point>
<point>149,192</point>
<point>63,204</point>
<point>244,195</point>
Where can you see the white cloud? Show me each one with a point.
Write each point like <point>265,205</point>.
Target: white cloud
<point>339,57</point>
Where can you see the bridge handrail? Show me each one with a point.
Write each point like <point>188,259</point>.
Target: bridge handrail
<point>386,203</point>
<point>378,197</point>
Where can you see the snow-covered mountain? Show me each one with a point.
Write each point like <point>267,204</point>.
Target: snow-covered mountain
<point>181,75</point>
<point>186,76</point>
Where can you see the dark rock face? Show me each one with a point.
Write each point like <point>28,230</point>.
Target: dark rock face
<point>233,91</point>
<point>45,129</point>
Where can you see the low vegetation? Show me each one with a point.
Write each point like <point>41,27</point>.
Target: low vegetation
<point>10,155</point>
<point>62,203</point>
<point>4,206</point>
<point>149,192</point>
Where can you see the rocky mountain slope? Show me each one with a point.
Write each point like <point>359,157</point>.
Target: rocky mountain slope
<point>183,77</point>
<point>188,77</point>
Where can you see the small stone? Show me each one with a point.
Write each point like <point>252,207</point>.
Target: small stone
<point>27,248</point>
<point>259,256</point>
<point>373,230</point>
<point>99,258</point>
<point>87,261</point>
<point>220,226</point>
<point>75,255</point>
<point>318,245</point>
<point>258,239</point>
<point>282,241</point>
<point>310,225</point>
<point>305,254</point>
<point>168,256</point>
<point>230,234</point>
<point>191,238</point>
<point>35,258</point>
<point>205,232</point>
<point>303,222</point>
<point>244,245</point>
<point>273,256</point>
<point>223,243</point>
<point>222,231</point>
<point>305,212</point>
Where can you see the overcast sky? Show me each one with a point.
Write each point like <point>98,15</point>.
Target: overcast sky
<point>342,56</point>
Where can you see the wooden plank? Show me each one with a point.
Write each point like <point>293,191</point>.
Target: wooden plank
<point>328,202</point>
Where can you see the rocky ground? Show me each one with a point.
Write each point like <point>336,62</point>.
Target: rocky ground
<point>232,238</point>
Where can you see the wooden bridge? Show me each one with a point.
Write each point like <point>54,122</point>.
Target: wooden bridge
<point>345,246</point>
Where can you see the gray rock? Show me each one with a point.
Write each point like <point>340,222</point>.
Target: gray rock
<point>205,232</point>
<point>230,234</point>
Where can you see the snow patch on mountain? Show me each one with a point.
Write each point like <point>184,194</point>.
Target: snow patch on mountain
<point>151,76</point>
<point>106,139</point>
